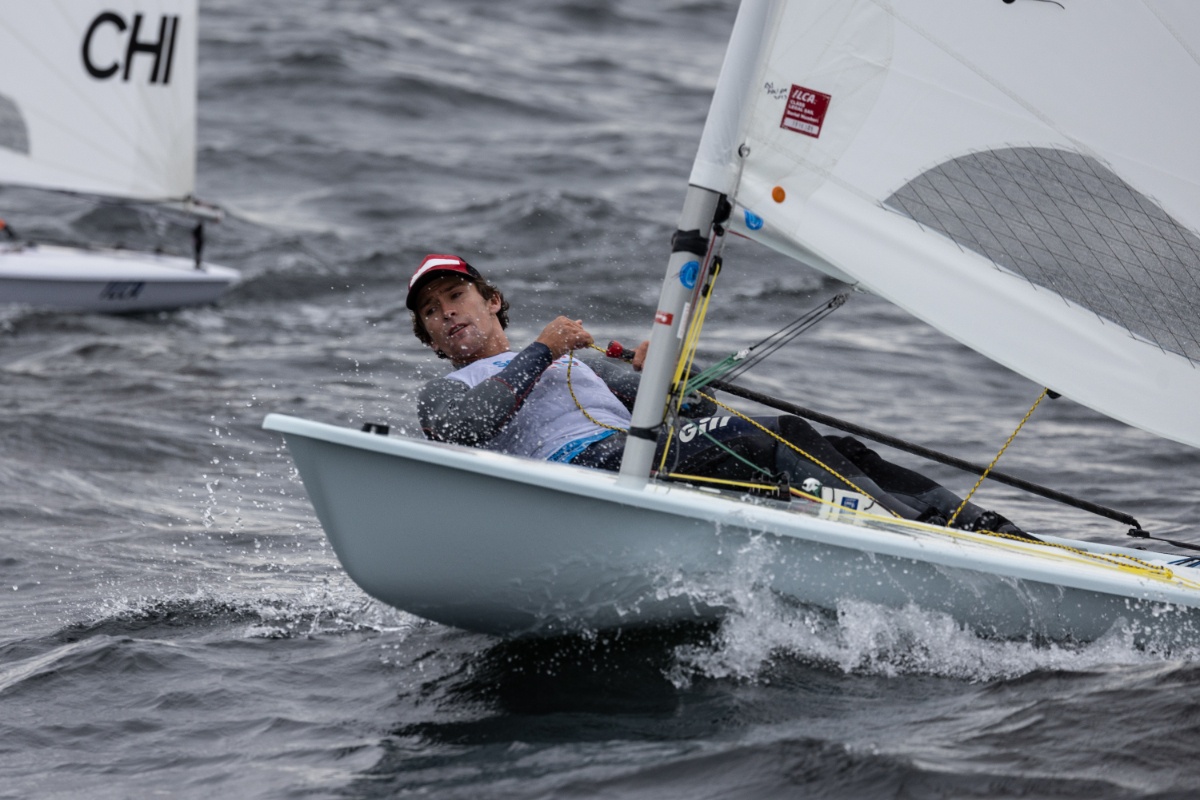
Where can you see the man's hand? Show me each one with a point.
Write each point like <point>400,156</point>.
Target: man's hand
<point>563,335</point>
<point>639,356</point>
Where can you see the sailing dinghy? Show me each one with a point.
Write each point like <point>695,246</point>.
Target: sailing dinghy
<point>895,146</point>
<point>99,98</point>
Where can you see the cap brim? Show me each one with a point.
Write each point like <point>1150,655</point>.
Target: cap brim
<point>414,291</point>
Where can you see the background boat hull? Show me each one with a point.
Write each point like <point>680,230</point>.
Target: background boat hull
<point>116,281</point>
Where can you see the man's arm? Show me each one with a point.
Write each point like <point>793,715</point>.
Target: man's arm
<point>451,411</point>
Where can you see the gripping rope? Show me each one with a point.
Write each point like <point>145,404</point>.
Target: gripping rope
<point>579,405</point>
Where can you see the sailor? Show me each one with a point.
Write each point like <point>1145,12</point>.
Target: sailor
<point>554,400</point>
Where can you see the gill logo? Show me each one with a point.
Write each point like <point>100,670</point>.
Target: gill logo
<point>689,431</point>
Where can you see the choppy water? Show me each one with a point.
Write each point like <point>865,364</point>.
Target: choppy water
<point>173,623</point>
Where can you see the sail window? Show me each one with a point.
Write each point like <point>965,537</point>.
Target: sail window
<point>1068,224</point>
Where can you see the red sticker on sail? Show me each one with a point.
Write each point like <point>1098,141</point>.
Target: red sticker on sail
<point>805,111</point>
<point>663,318</point>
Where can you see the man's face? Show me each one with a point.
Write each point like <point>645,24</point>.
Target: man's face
<point>459,321</point>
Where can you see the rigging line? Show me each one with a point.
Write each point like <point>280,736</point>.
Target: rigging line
<point>758,353</point>
<point>924,452</point>
<point>701,297</point>
<point>735,454</point>
<point>1116,559</point>
<point>990,466</point>
<point>807,455</point>
<point>777,340</point>
<point>738,363</point>
<point>1140,534</point>
<point>761,487</point>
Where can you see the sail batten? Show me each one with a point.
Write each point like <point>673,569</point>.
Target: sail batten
<point>1019,175</point>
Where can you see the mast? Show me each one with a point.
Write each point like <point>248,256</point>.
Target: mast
<point>714,173</point>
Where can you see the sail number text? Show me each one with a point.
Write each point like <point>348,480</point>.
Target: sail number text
<point>111,44</point>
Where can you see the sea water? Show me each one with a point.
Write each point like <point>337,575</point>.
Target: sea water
<point>174,623</point>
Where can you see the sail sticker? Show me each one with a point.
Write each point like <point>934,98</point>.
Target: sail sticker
<point>805,111</point>
<point>688,274</point>
<point>664,318</point>
<point>753,221</point>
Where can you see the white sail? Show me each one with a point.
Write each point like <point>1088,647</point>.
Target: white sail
<point>1021,175</point>
<point>99,96</point>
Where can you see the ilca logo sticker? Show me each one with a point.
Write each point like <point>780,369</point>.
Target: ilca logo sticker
<point>111,44</point>
<point>805,111</point>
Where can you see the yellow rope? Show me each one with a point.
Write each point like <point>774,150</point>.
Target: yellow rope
<point>720,481</point>
<point>1121,561</point>
<point>691,343</point>
<point>990,466</point>
<point>1116,559</point>
<point>579,405</point>
<point>793,446</point>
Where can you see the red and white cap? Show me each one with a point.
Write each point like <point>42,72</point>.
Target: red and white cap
<point>436,265</point>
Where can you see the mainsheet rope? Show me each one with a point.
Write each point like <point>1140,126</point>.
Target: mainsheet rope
<point>991,466</point>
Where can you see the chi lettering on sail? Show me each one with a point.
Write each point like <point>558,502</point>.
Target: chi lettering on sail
<point>111,44</point>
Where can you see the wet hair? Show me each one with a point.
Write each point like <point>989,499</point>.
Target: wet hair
<point>485,289</point>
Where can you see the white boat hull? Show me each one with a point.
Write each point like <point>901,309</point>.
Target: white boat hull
<point>114,281</point>
<point>507,546</point>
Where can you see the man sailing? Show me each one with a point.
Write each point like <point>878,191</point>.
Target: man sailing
<point>545,402</point>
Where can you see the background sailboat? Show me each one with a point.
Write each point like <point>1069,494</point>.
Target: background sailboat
<point>908,150</point>
<point>99,98</point>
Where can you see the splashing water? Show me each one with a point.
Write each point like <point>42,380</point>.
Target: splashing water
<point>868,639</point>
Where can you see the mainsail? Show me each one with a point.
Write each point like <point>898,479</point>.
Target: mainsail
<point>1021,175</point>
<point>99,96</point>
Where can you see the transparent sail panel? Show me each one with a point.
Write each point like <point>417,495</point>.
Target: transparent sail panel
<point>1067,224</point>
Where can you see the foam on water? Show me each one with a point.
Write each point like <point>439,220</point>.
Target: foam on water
<point>868,639</point>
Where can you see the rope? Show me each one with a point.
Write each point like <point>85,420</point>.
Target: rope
<point>691,342</point>
<point>1121,561</point>
<point>793,446</point>
<point>738,363</point>
<point>990,466</point>
<point>579,405</point>
<point>720,481</point>
<point>785,335</point>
